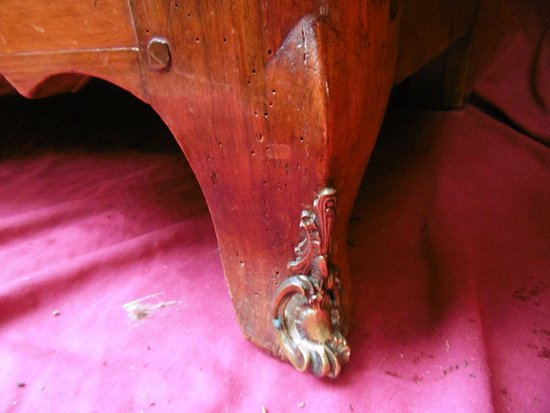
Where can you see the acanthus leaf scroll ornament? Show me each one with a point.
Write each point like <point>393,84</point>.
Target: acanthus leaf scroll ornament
<point>306,308</point>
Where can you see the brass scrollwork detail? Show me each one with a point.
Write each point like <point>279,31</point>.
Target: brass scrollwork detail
<point>306,310</point>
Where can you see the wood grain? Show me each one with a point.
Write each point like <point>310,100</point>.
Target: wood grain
<point>59,25</point>
<point>267,119</point>
<point>29,72</point>
<point>92,38</point>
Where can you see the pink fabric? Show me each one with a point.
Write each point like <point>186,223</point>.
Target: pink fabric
<point>520,70</point>
<point>449,248</point>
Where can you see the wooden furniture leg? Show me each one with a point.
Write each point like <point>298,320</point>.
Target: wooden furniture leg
<point>454,73</point>
<point>272,106</point>
<point>441,84</point>
<point>435,82</point>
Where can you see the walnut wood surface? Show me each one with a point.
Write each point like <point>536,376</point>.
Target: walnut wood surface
<point>267,120</point>
<point>41,39</point>
<point>270,101</point>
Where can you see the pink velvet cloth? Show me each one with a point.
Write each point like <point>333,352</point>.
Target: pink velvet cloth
<point>112,296</point>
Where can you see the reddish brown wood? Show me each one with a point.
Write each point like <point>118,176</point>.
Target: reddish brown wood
<point>28,72</point>
<point>427,28</point>
<point>5,87</point>
<point>42,39</point>
<point>267,121</point>
<point>58,25</point>
<point>270,101</point>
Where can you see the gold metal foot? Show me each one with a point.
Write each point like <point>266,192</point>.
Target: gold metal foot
<point>306,308</point>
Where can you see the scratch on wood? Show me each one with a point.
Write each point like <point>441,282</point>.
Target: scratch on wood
<point>38,29</point>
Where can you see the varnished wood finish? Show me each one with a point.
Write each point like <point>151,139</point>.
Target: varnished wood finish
<point>270,101</point>
<point>59,25</point>
<point>42,39</point>
<point>267,120</point>
<point>26,72</point>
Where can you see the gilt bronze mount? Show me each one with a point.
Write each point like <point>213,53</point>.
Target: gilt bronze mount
<point>306,309</point>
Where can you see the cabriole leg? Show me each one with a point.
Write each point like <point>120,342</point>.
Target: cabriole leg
<point>272,111</point>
